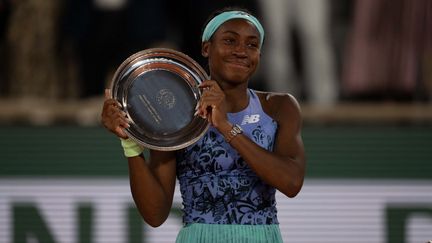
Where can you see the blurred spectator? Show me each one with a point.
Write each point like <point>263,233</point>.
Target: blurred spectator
<point>341,22</point>
<point>5,9</point>
<point>310,19</point>
<point>105,32</point>
<point>389,50</point>
<point>31,39</point>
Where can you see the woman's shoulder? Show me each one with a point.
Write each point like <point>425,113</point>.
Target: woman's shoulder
<point>279,105</point>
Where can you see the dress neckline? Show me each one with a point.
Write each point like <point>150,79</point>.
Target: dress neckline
<point>250,98</point>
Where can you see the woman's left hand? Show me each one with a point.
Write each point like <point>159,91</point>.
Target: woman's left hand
<point>212,105</point>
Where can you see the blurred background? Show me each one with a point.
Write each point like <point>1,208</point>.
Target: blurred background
<point>361,70</point>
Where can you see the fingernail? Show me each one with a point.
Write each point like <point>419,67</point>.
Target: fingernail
<point>196,113</point>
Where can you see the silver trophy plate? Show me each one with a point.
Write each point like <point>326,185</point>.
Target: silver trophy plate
<point>157,89</point>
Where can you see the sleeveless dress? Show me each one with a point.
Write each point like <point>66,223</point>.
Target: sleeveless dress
<point>223,199</point>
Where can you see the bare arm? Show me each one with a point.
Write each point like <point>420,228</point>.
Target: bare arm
<point>152,185</point>
<point>284,168</point>
<point>152,182</point>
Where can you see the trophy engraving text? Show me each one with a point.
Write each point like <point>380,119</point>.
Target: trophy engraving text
<point>150,108</point>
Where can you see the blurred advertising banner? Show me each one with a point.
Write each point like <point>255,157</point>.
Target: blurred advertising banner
<point>101,210</point>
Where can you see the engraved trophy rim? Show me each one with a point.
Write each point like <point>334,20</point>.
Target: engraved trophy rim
<point>153,60</point>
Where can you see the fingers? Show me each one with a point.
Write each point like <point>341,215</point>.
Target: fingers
<point>107,94</point>
<point>109,100</point>
<point>121,133</point>
<point>209,85</point>
<point>117,126</point>
<point>207,103</point>
<point>113,118</point>
<point>120,120</point>
<point>211,101</point>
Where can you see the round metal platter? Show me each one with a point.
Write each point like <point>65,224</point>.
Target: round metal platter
<point>157,89</point>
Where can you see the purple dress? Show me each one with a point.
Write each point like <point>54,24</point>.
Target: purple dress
<point>217,185</point>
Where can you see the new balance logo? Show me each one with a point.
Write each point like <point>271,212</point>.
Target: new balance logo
<point>250,119</point>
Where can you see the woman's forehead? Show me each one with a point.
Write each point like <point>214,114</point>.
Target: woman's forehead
<point>238,26</point>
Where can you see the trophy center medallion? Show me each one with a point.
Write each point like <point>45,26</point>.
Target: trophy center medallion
<point>166,99</point>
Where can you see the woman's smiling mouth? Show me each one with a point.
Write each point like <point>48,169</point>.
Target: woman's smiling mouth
<point>238,64</point>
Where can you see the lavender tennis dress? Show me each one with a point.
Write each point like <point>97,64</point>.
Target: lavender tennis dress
<point>223,199</point>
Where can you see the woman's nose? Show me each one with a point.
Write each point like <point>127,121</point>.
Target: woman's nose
<point>240,50</point>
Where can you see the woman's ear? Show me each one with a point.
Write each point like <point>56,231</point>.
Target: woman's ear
<point>205,48</point>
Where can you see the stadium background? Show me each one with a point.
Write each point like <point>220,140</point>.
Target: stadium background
<point>63,178</point>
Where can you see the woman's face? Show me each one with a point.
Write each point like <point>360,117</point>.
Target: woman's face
<point>233,52</point>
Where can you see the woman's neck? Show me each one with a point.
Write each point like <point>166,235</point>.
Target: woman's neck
<point>236,96</point>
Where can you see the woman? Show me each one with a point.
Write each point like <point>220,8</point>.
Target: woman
<point>253,147</point>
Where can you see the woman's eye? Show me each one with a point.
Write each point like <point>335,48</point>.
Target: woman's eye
<point>229,41</point>
<point>253,45</point>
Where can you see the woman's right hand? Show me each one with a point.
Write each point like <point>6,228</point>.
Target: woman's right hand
<point>112,117</point>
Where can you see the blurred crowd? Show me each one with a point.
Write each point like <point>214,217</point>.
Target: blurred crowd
<point>321,51</point>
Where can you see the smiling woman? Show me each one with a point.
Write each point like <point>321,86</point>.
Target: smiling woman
<point>235,52</point>
<point>228,178</point>
<point>238,37</point>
